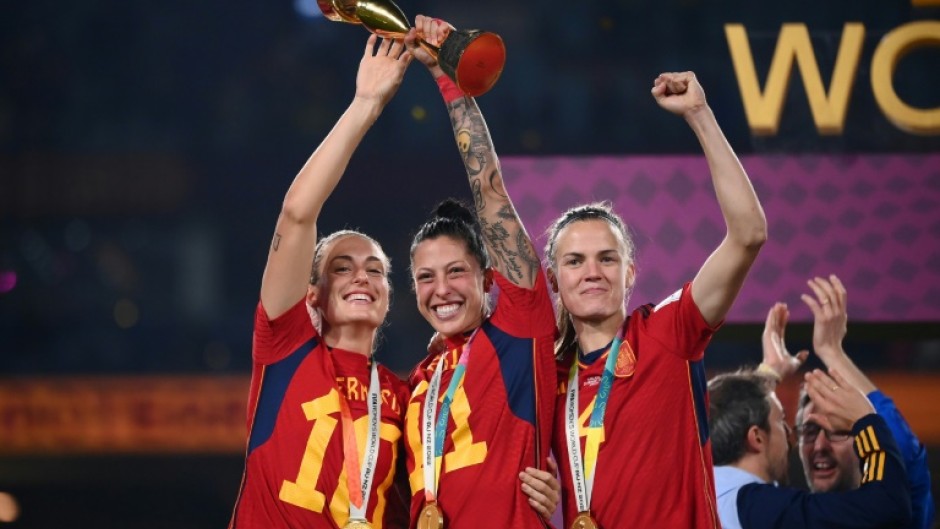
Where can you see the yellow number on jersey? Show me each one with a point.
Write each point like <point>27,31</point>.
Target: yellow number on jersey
<point>465,451</point>
<point>303,492</point>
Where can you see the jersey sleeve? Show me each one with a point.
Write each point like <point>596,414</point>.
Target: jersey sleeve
<point>523,311</point>
<point>677,324</point>
<point>881,501</point>
<point>915,459</point>
<point>275,339</point>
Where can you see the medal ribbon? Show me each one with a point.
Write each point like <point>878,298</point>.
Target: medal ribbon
<point>582,468</point>
<point>359,479</point>
<point>433,434</point>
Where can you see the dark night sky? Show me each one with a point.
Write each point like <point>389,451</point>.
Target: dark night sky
<point>145,147</point>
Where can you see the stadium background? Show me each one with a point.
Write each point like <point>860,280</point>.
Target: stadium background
<point>145,149</point>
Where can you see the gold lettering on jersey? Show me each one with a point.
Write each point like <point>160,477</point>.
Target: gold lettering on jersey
<point>352,389</point>
<point>355,390</point>
<point>451,357</point>
<point>303,492</point>
<point>391,400</point>
<point>464,452</point>
<point>339,504</point>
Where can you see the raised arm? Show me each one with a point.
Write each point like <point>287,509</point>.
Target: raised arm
<point>721,277</point>
<point>505,237</point>
<point>290,257</point>
<point>829,305</point>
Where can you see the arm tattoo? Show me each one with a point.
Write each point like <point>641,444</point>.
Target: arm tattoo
<point>527,253</point>
<point>470,131</point>
<point>509,246</point>
<point>498,236</point>
<point>477,190</point>
<point>276,242</point>
<point>506,213</point>
<point>496,183</point>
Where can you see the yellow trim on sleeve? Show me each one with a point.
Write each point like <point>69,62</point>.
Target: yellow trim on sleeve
<point>864,437</point>
<point>873,438</point>
<point>879,475</point>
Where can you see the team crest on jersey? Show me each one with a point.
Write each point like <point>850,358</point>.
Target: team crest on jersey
<point>626,361</point>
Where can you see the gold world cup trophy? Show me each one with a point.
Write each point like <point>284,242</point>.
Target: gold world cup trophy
<point>471,57</point>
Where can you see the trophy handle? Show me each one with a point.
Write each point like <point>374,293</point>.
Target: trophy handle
<point>383,18</point>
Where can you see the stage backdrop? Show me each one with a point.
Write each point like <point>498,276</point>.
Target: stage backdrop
<point>873,220</point>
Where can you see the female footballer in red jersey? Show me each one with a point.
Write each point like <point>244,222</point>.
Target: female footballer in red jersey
<point>481,405</point>
<point>325,421</point>
<point>631,432</point>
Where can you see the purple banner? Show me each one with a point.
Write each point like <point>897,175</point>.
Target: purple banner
<point>873,220</point>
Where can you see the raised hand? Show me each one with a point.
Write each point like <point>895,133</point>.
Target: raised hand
<point>828,304</point>
<point>838,404</point>
<point>776,355</point>
<point>679,92</point>
<point>381,69</point>
<point>433,31</point>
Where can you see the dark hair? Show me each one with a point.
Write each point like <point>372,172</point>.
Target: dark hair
<point>737,401</point>
<point>596,211</point>
<point>803,403</point>
<point>319,251</point>
<point>451,218</point>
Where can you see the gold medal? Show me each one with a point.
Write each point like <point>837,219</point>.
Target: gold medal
<point>431,517</point>
<point>354,523</point>
<point>584,521</point>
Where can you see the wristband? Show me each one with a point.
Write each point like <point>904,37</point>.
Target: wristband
<point>769,371</point>
<point>449,90</point>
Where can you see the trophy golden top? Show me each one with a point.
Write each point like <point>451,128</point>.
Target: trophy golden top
<point>474,59</point>
<point>339,10</point>
<point>383,18</point>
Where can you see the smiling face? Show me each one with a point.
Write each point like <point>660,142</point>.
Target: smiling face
<point>829,466</point>
<point>353,285</point>
<point>449,285</point>
<point>592,270</point>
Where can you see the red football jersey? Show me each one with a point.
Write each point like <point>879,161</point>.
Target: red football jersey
<point>654,464</point>
<point>294,473</point>
<point>507,397</point>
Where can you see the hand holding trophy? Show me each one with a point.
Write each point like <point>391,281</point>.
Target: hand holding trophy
<point>474,59</point>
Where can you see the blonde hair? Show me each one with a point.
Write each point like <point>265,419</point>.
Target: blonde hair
<point>316,273</point>
<point>319,251</point>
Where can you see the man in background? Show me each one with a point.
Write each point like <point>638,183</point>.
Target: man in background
<point>829,461</point>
